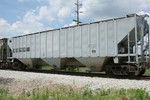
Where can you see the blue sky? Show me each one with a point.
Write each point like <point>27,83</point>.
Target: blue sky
<point>19,17</point>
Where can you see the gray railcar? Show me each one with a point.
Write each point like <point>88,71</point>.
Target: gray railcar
<point>111,44</point>
<point>5,52</point>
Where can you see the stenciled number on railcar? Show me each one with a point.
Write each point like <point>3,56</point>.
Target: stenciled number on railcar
<point>24,49</point>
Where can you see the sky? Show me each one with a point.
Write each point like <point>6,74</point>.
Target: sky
<point>18,17</point>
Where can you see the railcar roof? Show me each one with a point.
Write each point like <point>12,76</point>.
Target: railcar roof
<point>127,16</point>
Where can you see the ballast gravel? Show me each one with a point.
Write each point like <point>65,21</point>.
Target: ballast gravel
<point>17,81</point>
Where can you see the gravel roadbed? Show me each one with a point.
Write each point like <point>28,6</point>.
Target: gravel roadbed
<point>17,81</point>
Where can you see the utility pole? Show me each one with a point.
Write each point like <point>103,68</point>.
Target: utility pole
<point>77,12</point>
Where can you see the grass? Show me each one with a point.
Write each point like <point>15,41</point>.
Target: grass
<point>46,68</point>
<point>70,68</point>
<point>4,94</point>
<point>62,92</point>
<point>147,72</point>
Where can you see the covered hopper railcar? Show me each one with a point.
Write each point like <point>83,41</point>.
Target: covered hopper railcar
<point>5,52</point>
<point>117,46</point>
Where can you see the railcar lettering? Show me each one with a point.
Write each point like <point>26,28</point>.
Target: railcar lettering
<point>24,49</point>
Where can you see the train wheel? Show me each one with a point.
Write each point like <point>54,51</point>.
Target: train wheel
<point>9,65</point>
<point>108,70</point>
<point>142,72</point>
<point>0,65</point>
<point>3,65</point>
<point>131,74</point>
<point>133,70</point>
<point>134,74</point>
<point>23,67</point>
<point>16,66</point>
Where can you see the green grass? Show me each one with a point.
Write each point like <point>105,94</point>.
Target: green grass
<point>147,72</point>
<point>4,95</point>
<point>76,69</point>
<point>70,68</point>
<point>62,92</point>
<point>46,68</point>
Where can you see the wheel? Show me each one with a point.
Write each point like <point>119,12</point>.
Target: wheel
<point>134,74</point>
<point>108,70</point>
<point>142,72</point>
<point>23,67</point>
<point>0,65</point>
<point>3,65</point>
<point>131,74</point>
<point>16,66</point>
<point>133,70</point>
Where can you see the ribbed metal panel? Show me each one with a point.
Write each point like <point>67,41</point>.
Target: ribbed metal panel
<point>98,39</point>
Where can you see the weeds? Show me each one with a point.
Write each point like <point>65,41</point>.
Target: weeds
<point>4,95</point>
<point>62,92</point>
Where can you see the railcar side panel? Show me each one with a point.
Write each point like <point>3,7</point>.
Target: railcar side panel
<point>28,40</point>
<point>33,46</point>
<point>103,39</point>
<point>93,40</point>
<point>77,42</point>
<point>20,47</point>
<point>38,45</point>
<point>56,44</point>
<point>111,38</point>
<point>24,45</point>
<point>70,42</point>
<point>63,43</point>
<point>85,41</point>
<point>49,44</point>
<point>43,45</point>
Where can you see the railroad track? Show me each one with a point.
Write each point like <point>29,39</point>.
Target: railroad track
<point>69,73</point>
<point>144,77</point>
<point>85,74</point>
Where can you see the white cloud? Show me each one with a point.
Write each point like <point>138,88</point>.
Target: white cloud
<point>57,11</point>
<point>43,11</point>
<point>102,9</point>
<point>3,23</point>
<point>64,12</point>
<point>60,8</point>
<point>45,14</point>
<point>4,28</point>
<point>32,21</point>
<point>28,24</point>
<point>30,16</point>
<point>25,27</point>
<point>71,24</point>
